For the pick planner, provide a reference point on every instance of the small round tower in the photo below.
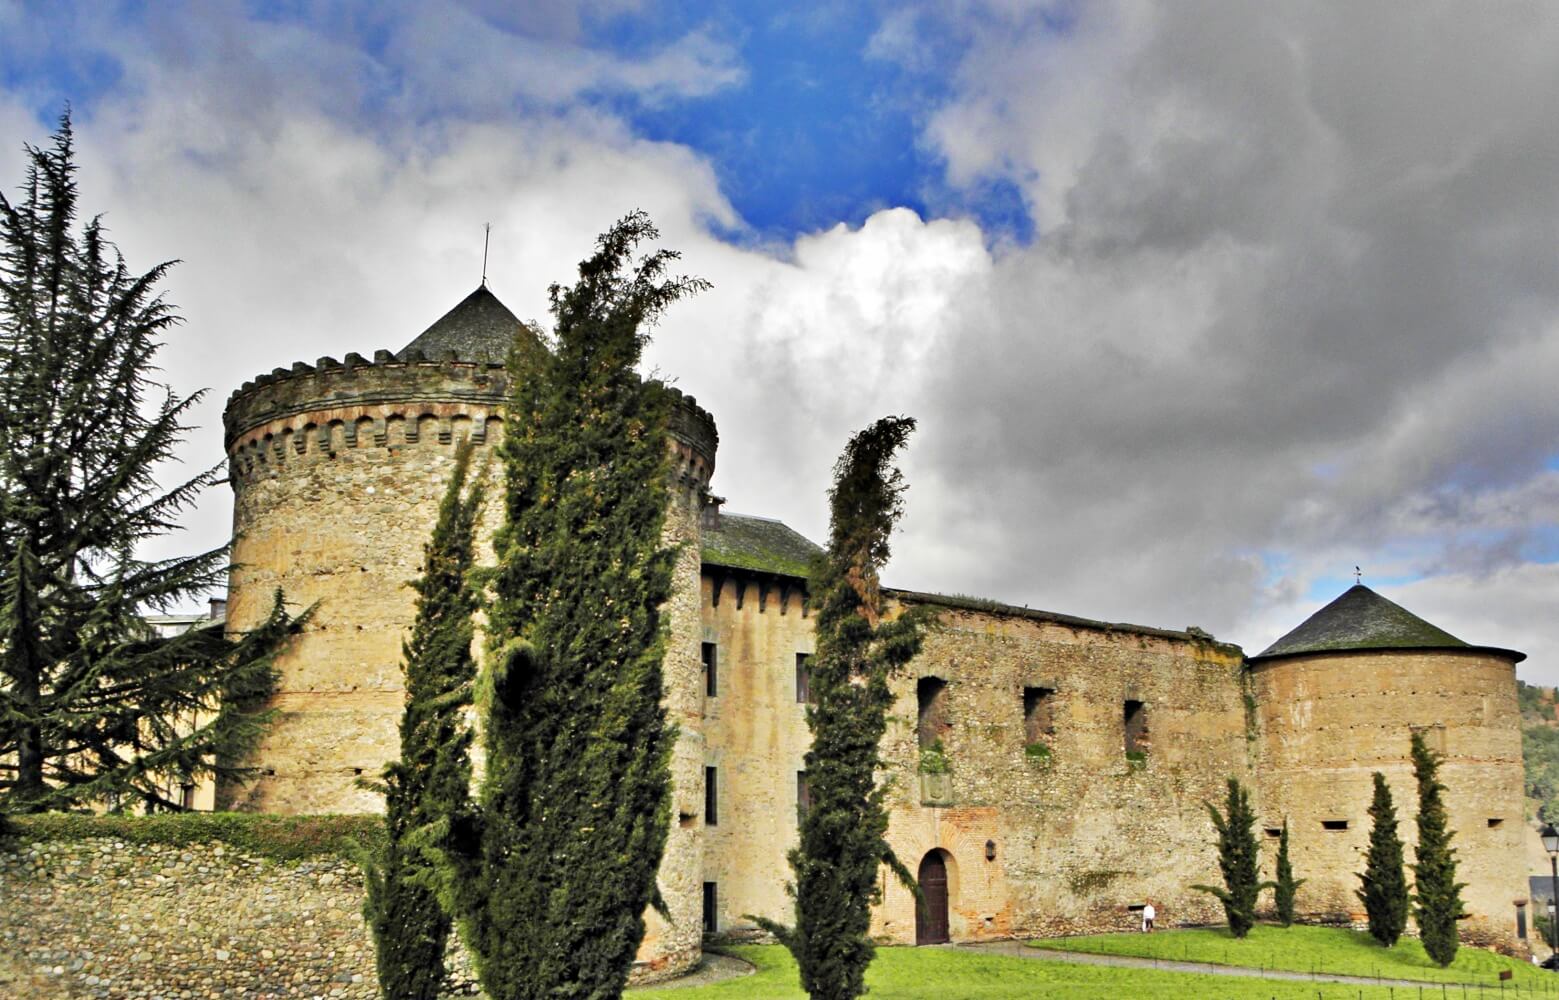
(337, 469)
(1338, 699)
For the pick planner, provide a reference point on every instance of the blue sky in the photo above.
(1199, 305)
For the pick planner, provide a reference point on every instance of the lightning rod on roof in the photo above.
(1358, 576)
(487, 233)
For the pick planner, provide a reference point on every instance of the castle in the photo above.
(1047, 772)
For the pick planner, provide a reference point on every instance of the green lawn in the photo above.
(957, 974)
(1305, 949)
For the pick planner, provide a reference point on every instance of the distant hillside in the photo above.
(1540, 747)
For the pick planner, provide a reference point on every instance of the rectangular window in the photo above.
(711, 669)
(711, 909)
(804, 678)
(187, 796)
(1136, 718)
(803, 795)
(1038, 722)
(1274, 832)
(1495, 822)
(931, 696)
(1334, 824)
(711, 796)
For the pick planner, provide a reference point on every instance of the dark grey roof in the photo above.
(1362, 620)
(479, 329)
(761, 544)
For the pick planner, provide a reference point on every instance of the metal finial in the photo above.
(1358, 577)
(487, 232)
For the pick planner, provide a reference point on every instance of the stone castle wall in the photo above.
(337, 474)
(1330, 720)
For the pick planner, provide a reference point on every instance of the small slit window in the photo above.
(711, 660)
(1038, 714)
(711, 796)
(711, 907)
(1135, 715)
(931, 694)
(1495, 822)
(1274, 832)
(804, 679)
(1334, 825)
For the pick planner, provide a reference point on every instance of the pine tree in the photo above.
(551, 874)
(1436, 893)
(431, 780)
(1384, 890)
(96, 707)
(843, 843)
(1238, 859)
(1285, 887)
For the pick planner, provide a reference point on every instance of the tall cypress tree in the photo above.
(553, 870)
(95, 707)
(1384, 883)
(843, 841)
(432, 779)
(1238, 859)
(1285, 886)
(1436, 893)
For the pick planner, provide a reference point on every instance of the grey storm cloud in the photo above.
(1290, 306)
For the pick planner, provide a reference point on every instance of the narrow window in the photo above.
(187, 795)
(932, 695)
(711, 909)
(1521, 922)
(1334, 824)
(1274, 832)
(711, 668)
(803, 795)
(804, 679)
(711, 796)
(1136, 717)
(1038, 721)
(1495, 822)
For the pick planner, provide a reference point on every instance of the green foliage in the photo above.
(551, 872)
(95, 707)
(430, 781)
(1136, 760)
(1384, 889)
(1285, 887)
(1436, 893)
(843, 841)
(1039, 753)
(933, 759)
(1238, 859)
(278, 838)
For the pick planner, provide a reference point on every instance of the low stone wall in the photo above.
(107, 917)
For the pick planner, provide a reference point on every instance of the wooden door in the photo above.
(931, 916)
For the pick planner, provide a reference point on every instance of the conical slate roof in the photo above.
(479, 329)
(1362, 619)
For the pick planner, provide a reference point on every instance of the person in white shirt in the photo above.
(1147, 919)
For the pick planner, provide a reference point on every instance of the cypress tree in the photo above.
(1238, 860)
(95, 707)
(843, 840)
(1285, 886)
(1384, 890)
(553, 869)
(1436, 893)
(432, 778)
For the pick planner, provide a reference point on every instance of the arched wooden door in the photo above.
(931, 916)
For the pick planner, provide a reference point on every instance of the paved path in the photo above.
(1018, 949)
(713, 968)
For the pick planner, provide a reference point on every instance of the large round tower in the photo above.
(337, 469)
(1338, 699)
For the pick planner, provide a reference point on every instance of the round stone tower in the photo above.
(337, 469)
(1338, 699)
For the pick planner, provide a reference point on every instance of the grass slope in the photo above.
(957, 974)
(1334, 950)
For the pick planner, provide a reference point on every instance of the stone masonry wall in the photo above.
(111, 920)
